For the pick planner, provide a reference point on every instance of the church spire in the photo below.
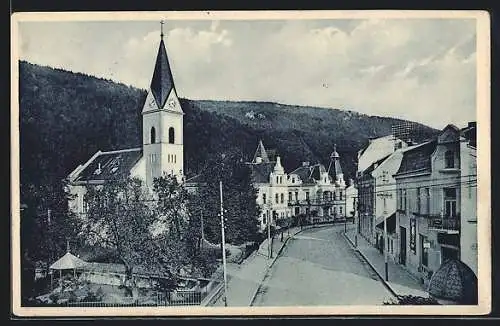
(162, 82)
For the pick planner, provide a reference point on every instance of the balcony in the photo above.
(445, 225)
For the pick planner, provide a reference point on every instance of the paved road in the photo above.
(318, 267)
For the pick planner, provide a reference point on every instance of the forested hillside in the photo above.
(66, 117)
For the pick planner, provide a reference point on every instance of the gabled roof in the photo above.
(377, 149)
(261, 172)
(470, 133)
(109, 165)
(162, 82)
(310, 174)
(417, 159)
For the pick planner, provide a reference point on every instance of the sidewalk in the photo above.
(400, 281)
(244, 279)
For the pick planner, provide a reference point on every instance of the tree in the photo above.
(119, 218)
(172, 225)
(239, 198)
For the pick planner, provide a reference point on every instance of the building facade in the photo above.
(431, 203)
(312, 193)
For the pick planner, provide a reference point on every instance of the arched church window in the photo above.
(153, 135)
(171, 135)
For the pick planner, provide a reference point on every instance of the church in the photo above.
(162, 148)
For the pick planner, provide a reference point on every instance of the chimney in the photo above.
(258, 159)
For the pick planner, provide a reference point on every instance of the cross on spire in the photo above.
(161, 27)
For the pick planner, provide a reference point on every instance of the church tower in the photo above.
(162, 122)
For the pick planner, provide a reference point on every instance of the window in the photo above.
(281, 179)
(276, 197)
(293, 180)
(175, 158)
(418, 199)
(449, 159)
(171, 135)
(334, 210)
(427, 198)
(264, 219)
(307, 195)
(403, 195)
(296, 195)
(334, 195)
(424, 250)
(264, 198)
(450, 202)
(340, 195)
(153, 135)
(282, 198)
(340, 210)
(289, 196)
(277, 180)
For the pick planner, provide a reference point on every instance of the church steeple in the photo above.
(162, 82)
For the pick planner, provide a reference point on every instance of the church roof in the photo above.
(162, 82)
(109, 165)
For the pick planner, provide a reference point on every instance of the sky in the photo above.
(417, 69)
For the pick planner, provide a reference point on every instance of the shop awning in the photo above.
(391, 223)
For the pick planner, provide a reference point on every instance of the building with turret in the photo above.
(311, 192)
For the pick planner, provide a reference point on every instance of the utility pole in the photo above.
(223, 244)
(385, 195)
(202, 229)
(269, 245)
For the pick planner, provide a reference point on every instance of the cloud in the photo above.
(418, 69)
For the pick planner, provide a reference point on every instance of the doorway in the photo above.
(402, 257)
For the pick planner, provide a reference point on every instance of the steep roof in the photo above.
(260, 152)
(417, 159)
(109, 165)
(261, 172)
(162, 82)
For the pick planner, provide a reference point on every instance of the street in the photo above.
(318, 267)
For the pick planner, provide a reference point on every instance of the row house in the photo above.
(436, 202)
(369, 178)
(311, 191)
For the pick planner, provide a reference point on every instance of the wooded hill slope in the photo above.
(66, 117)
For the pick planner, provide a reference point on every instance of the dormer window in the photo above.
(449, 159)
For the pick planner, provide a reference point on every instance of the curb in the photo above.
(388, 287)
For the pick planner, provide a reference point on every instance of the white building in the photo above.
(162, 150)
(311, 191)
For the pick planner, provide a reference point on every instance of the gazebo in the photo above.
(66, 262)
(454, 283)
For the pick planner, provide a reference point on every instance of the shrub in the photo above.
(411, 300)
